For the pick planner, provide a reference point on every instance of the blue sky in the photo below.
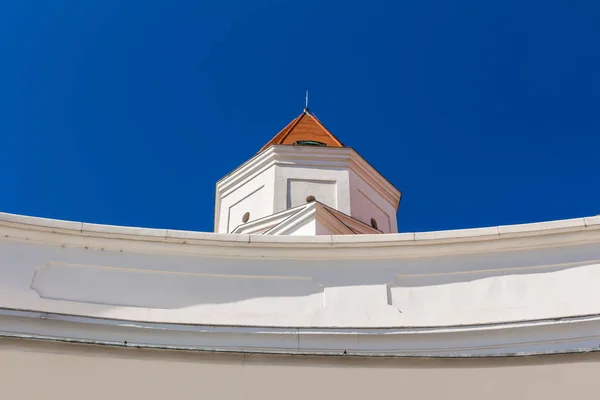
(128, 112)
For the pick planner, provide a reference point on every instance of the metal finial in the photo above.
(306, 103)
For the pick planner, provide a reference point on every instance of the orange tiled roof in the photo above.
(305, 127)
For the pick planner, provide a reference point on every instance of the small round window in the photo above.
(374, 223)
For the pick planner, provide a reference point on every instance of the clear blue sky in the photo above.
(128, 112)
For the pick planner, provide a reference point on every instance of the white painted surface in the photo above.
(322, 190)
(510, 295)
(330, 186)
(253, 196)
(367, 204)
(308, 219)
(262, 225)
(327, 292)
(308, 229)
(282, 177)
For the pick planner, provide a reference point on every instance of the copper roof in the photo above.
(304, 127)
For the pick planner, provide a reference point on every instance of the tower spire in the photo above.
(306, 104)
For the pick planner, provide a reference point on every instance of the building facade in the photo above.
(305, 290)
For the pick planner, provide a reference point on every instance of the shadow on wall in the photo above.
(167, 281)
(159, 289)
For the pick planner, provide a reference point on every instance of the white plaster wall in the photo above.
(160, 281)
(511, 295)
(321, 229)
(330, 185)
(367, 204)
(299, 189)
(309, 229)
(254, 196)
(283, 176)
(514, 289)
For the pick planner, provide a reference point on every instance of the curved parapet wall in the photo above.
(520, 289)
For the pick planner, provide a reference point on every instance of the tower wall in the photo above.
(328, 185)
(286, 176)
(367, 204)
(254, 196)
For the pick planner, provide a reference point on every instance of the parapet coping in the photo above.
(125, 232)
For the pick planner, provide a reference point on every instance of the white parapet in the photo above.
(521, 289)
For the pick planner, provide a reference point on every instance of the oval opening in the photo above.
(309, 143)
(374, 223)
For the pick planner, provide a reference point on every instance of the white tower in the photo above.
(306, 182)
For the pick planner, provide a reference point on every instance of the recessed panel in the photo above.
(171, 290)
(523, 294)
(301, 189)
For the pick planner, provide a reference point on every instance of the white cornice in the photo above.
(462, 241)
(284, 155)
(579, 334)
(375, 180)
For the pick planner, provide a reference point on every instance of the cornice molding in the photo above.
(375, 180)
(567, 335)
(464, 241)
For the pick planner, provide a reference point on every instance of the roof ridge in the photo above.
(339, 220)
(286, 129)
(333, 212)
(318, 121)
(298, 119)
